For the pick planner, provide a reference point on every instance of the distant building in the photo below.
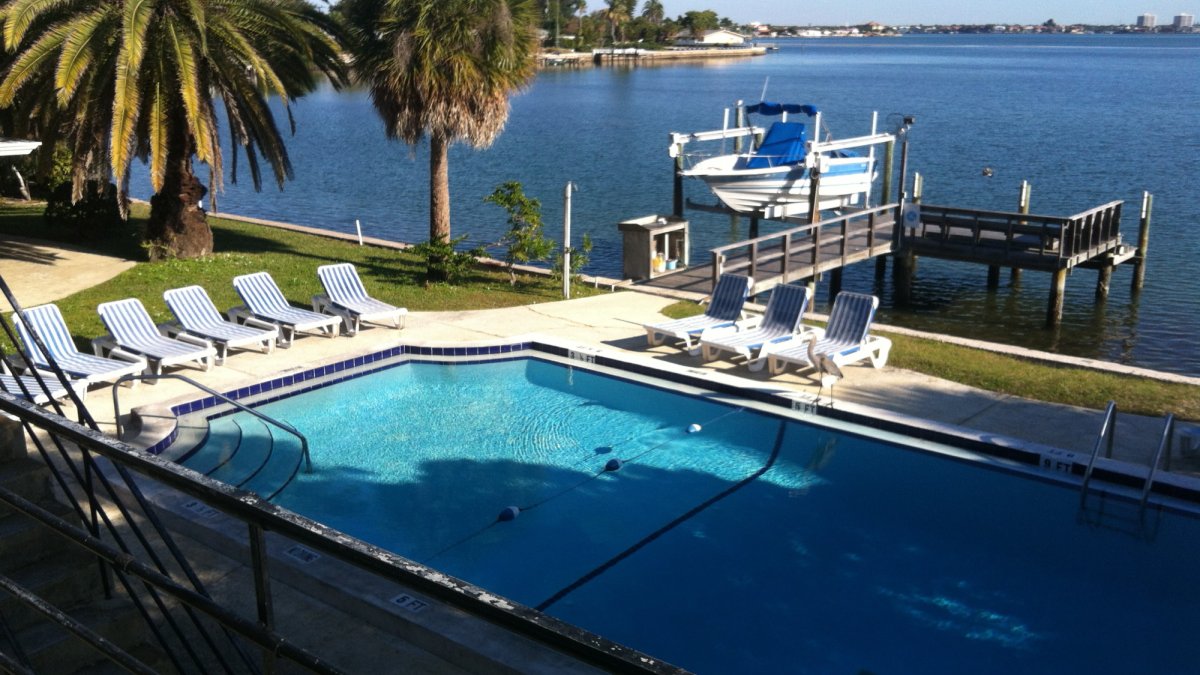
(1146, 21)
(1182, 21)
(714, 38)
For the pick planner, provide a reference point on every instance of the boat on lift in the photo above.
(774, 179)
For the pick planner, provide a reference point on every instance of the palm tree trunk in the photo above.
(178, 227)
(439, 188)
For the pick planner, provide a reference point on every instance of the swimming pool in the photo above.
(757, 543)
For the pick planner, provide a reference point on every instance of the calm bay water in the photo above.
(1085, 119)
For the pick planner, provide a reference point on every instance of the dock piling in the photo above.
(1139, 260)
(1022, 207)
(1058, 288)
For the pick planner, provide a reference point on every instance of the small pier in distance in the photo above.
(1018, 240)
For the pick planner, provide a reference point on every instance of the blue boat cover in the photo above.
(768, 108)
(783, 144)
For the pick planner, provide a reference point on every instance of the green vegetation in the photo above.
(119, 79)
(398, 277)
(1028, 379)
(442, 69)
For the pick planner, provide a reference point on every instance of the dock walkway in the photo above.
(1020, 241)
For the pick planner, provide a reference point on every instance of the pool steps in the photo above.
(247, 454)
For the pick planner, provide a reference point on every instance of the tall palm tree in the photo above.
(618, 13)
(118, 79)
(653, 12)
(443, 69)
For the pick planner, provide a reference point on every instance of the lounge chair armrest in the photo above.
(718, 331)
(15, 363)
(104, 344)
(239, 314)
(118, 353)
(255, 322)
(170, 328)
(749, 322)
(192, 339)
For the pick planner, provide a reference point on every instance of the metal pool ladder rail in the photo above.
(1108, 432)
(1164, 444)
(211, 392)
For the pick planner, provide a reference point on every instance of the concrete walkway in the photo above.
(39, 272)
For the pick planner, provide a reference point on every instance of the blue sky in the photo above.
(837, 12)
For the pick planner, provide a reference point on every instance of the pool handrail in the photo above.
(1164, 443)
(1108, 431)
(211, 392)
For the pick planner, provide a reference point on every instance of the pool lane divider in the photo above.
(512, 512)
(694, 511)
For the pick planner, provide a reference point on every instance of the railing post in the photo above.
(785, 269)
(262, 589)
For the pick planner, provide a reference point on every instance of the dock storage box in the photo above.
(649, 242)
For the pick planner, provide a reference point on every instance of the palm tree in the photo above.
(443, 69)
(653, 12)
(120, 79)
(618, 13)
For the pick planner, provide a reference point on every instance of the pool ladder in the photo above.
(1105, 439)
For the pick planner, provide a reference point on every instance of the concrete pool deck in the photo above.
(612, 322)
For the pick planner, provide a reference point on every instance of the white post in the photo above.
(358, 228)
(566, 263)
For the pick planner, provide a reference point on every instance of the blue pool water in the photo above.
(766, 545)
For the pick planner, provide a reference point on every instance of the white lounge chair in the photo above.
(844, 340)
(28, 388)
(346, 297)
(132, 330)
(780, 321)
(196, 315)
(264, 301)
(724, 311)
(48, 323)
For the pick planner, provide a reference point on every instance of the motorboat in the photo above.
(775, 177)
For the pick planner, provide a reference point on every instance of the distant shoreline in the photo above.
(636, 55)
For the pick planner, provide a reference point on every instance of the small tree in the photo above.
(524, 239)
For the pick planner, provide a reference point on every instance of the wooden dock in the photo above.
(798, 253)
(1020, 241)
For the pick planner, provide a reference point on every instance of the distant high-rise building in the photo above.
(1146, 21)
(1182, 21)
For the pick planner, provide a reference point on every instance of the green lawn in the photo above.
(292, 259)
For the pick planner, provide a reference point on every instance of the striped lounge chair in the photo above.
(724, 311)
(844, 340)
(346, 297)
(265, 302)
(47, 322)
(28, 388)
(196, 315)
(132, 330)
(780, 322)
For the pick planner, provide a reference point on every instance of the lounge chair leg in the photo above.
(654, 339)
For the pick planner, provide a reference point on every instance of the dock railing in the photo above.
(1058, 240)
(801, 252)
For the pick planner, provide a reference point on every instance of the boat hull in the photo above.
(785, 190)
